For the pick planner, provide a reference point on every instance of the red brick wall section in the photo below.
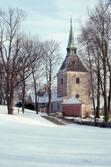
(71, 110)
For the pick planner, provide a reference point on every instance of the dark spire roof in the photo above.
(71, 50)
(72, 61)
(71, 36)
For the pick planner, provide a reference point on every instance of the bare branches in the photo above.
(51, 60)
(22, 57)
(10, 50)
(96, 40)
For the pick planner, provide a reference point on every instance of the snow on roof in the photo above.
(72, 100)
(44, 97)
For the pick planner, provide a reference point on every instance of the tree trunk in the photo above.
(36, 102)
(98, 93)
(10, 108)
(92, 85)
(49, 91)
(105, 95)
(109, 97)
(23, 100)
(49, 104)
(23, 94)
(35, 90)
(10, 103)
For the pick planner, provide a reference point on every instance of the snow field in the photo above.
(28, 140)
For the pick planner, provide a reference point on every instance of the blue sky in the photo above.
(49, 19)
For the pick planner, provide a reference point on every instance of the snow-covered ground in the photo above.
(28, 140)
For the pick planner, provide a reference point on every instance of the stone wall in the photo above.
(81, 88)
(62, 87)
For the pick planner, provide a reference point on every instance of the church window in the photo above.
(77, 80)
(61, 80)
(73, 63)
(77, 96)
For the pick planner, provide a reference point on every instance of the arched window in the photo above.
(77, 80)
(73, 63)
(77, 96)
(61, 80)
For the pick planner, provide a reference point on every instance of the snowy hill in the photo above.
(28, 140)
(30, 118)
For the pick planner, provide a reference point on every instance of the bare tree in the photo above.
(14, 57)
(89, 59)
(26, 51)
(36, 68)
(97, 35)
(51, 62)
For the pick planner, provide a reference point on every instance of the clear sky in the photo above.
(49, 19)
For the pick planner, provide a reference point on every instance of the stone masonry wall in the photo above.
(82, 88)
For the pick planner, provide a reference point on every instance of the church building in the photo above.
(73, 77)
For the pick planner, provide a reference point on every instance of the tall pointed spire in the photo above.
(71, 37)
(71, 50)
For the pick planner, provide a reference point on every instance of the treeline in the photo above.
(96, 49)
(23, 60)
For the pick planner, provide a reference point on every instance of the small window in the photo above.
(77, 80)
(73, 63)
(77, 96)
(61, 80)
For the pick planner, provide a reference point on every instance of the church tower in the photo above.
(73, 78)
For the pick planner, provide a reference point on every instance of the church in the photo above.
(72, 95)
(73, 80)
